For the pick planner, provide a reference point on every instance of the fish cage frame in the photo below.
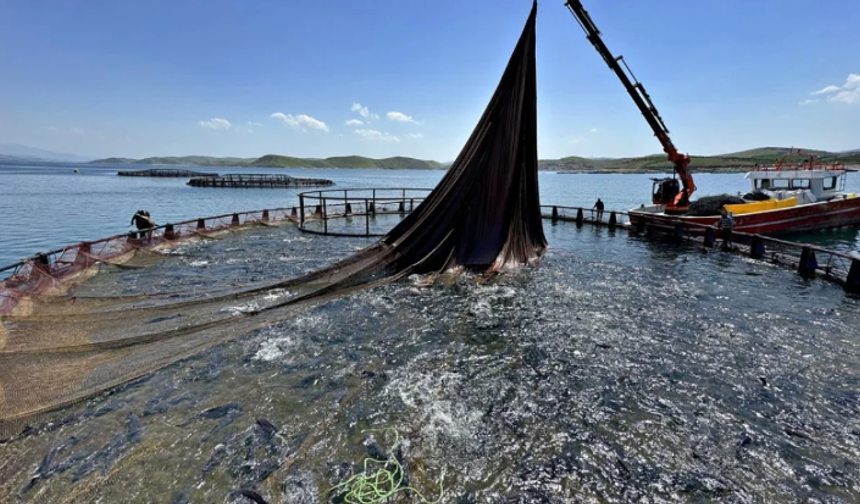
(331, 204)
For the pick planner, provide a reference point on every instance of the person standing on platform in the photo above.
(727, 222)
(142, 221)
(599, 207)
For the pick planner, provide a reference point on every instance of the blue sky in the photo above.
(227, 78)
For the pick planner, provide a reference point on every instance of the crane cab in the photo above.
(665, 190)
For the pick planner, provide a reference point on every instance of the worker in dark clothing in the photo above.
(727, 222)
(599, 207)
(143, 222)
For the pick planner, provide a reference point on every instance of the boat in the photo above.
(787, 197)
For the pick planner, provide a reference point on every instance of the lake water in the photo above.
(615, 370)
(45, 207)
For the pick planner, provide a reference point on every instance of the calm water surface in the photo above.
(44, 207)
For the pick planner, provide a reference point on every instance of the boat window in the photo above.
(800, 183)
(829, 183)
(780, 183)
(762, 183)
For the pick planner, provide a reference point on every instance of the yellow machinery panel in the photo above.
(760, 206)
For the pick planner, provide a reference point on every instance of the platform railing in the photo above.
(583, 215)
(807, 259)
(319, 207)
(55, 269)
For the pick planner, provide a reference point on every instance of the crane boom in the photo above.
(666, 191)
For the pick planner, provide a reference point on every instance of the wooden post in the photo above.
(265, 216)
(366, 219)
(710, 236)
(757, 247)
(302, 214)
(325, 216)
(852, 282)
(554, 213)
(613, 220)
(201, 224)
(678, 232)
(808, 263)
(235, 221)
(579, 217)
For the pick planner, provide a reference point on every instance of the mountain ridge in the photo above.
(654, 163)
(279, 161)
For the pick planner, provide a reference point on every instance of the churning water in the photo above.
(616, 370)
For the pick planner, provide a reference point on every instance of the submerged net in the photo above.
(484, 215)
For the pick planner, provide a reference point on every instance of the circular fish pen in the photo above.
(356, 212)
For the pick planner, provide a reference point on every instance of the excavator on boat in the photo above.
(669, 192)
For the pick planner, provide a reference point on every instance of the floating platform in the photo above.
(165, 172)
(255, 180)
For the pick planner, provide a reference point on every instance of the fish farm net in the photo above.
(484, 215)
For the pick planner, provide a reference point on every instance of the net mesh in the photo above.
(483, 215)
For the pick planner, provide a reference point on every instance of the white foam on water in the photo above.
(442, 418)
(243, 308)
(281, 343)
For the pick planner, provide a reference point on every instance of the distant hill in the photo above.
(178, 161)
(17, 152)
(277, 161)
(657, 163)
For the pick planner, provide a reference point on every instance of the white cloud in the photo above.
(825, 90)
(300, 121)
(847, 93)
(376, 135)
(216, 124)
(594, 130)
(252, 123)
(401, 117)
(415, 135)
(809, 101)
(354, 122)
(364, 111)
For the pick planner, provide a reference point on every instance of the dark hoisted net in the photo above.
(483, 215)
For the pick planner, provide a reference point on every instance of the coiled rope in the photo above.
(372, 487)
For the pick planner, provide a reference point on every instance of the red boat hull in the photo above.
(811, 217)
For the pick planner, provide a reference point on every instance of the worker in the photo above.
(727, 222)
(143, 222)
(599, 207)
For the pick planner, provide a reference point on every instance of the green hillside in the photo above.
(656, 163)
(277, 161)
(732, 162)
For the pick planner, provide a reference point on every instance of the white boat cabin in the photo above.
(809, 186)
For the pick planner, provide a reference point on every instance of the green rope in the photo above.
(369, 487)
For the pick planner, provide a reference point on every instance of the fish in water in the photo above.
(50, 466)
(164, 401)
(267, 427)
(249, 494)
(227, 413)
(107, 456)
